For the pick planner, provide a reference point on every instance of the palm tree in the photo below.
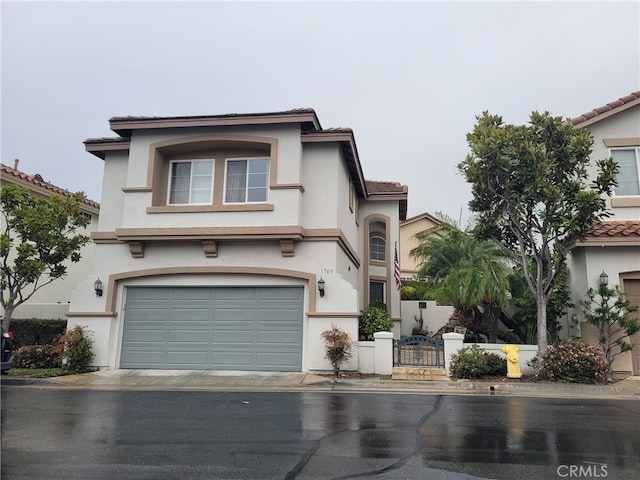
(466, 272)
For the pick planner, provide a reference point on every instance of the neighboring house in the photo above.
(613, 246)
(52, 301)
(231, 242)
(409, 228)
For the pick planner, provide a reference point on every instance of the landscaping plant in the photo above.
(37, 356)
(337, 347)
(474, 362)
(608, 310)
(76, 349)
(572, 361)
(374, 319)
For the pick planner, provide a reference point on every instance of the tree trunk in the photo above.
(541, 304)
(6, 321)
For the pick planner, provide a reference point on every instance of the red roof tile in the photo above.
(38, 181)
(628, 228)
(619, 104)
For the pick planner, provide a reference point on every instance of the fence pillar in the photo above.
(452, 343)
(383, 361)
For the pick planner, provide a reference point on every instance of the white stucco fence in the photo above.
(453, 342)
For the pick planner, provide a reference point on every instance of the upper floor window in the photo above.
(629, 177)
(191, 182)
(247, 180)
(377, 249)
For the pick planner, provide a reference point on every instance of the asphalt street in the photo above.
(54, 433)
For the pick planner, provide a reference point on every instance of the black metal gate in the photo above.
(418, 350)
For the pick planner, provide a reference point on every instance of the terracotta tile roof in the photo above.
(610, 108)
(305, 116)
(38, 181)
(385, 187)
(627, 228)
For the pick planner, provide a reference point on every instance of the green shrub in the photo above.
(572, 361)
(76, 349)
(36, 331)
(37, 356)
(374, 319)
(474, 362)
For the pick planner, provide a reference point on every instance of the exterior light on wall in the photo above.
(321, 287)
(97, 286)
(604, 279)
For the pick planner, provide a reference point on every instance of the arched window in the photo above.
(377, 249)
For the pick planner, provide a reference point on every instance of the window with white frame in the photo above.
(247, 180)
(629, 176)
(377, 249)
(190, 182)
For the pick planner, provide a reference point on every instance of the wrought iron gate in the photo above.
(418, 350)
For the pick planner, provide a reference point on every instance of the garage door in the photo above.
(234, 328)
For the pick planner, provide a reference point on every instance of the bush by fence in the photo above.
(36, 331)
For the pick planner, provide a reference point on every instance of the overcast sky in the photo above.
(408, 77)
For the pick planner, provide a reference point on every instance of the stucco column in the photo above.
(452, 343)
(383, 361)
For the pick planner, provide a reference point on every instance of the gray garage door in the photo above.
(221, 328)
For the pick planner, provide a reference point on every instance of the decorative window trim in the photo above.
(616, 195)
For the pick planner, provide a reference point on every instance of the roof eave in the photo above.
(124, 126)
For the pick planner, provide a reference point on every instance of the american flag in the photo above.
(396, 269)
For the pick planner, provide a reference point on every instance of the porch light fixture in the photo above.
(321, 287)
(604, 279)
(97, 286)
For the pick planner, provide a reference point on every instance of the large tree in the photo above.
(38, 237)
(531, 193)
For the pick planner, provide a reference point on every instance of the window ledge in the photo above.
(245, 207)
(621, 202)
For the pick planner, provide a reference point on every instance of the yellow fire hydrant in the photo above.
(513, 361)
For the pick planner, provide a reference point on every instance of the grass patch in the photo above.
(36, 372)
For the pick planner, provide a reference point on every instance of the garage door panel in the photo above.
(279, 294)
(190, 314)
(239, 328)
(234, 294)
(276, 360)
(147, 336)
(199, 359)
(145, 357)
(234, 315)
(279, 315)
(191, 336)
(232, 359)
(283, 338)
(239, 337)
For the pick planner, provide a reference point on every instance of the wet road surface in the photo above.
(95, 435)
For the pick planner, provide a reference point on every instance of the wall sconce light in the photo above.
(604, 279)
(321, 287)
(97, 286)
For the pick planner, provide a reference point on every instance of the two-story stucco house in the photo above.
(52, 300)
(613, 247)
(424, 224)
(231, 242)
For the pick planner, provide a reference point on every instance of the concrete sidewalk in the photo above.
(206, 380)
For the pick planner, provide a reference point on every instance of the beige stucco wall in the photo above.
(409, 265)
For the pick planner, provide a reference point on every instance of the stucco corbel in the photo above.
(210, 248)
(136, 249)
(287, 248)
